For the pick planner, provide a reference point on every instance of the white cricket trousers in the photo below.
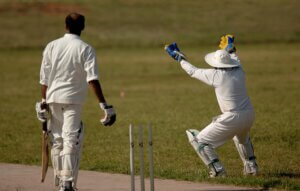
(227, 126)
(66, 132)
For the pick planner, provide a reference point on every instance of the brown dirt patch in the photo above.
(15, 177)
(41, 7)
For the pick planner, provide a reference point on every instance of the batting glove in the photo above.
(42, 110)
(227, 43)
(174, 52)
(110, 114)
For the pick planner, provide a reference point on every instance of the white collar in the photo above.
(70, 35)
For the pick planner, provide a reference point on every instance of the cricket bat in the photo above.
(45, 151)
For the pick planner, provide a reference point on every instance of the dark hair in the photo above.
(75, 23)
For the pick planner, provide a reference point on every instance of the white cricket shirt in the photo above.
(229, 85)
(68, 64)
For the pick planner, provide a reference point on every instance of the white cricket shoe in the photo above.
(216, 170)
(213, 174)
(251, 168)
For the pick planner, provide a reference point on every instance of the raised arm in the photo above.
(205, 75)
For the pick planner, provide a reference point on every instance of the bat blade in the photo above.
(45, 152)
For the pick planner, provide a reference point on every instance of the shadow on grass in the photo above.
(285, 175)
(277, 183)
(271, 183)
(281, 179)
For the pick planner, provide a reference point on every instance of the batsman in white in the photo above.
(68, 66)
(227, 77)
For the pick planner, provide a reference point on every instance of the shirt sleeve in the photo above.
(205, 75)
(90, 64)
(45, 67)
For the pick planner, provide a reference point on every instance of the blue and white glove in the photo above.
(110, 114)
(42, 110)
(174, 52)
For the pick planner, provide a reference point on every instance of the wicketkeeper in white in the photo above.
(68, 66)
(228, 79)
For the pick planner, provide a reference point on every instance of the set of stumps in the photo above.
(141, 157)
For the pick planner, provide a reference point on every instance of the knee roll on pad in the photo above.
(69, 150)
(192, 137)
(55, 151)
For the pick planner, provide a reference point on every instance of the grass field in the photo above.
(146, 86)
(135, 23)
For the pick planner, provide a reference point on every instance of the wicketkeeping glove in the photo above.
(110, 114)
(42, 110)
(227, 43)
(174, 52)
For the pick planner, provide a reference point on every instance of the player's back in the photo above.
(231, 90)
(67, 59)
(67, 76)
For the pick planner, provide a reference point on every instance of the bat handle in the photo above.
(45, 129)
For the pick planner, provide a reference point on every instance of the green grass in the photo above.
(158, 91)
(135, 23)
(129, 36)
